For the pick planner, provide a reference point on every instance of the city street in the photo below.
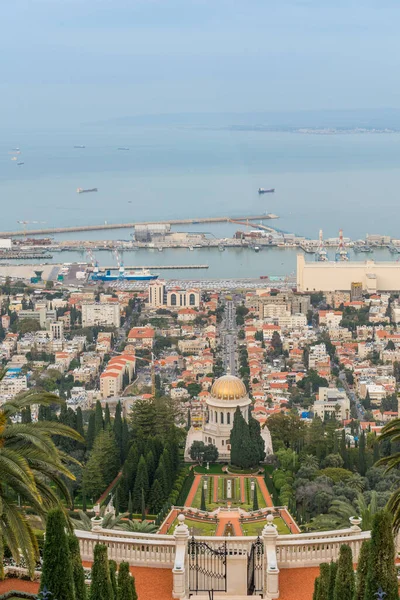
(228, 337)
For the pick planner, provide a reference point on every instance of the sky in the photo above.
(66, 62)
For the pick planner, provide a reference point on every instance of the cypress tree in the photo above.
(243, 451)
(323, 586)
(98, 419)
(156, 498)
(129, 474)
(256, 439)
(90, 431)
(125, 439)
(126, 583)
(316, 588)
(102, 466)
(100, 588)
(26, 415)
(162, 477)
(362, 463)
(168, 468)
(77, 568)
(255, 498)
(203, 499)
(376, 451)
(362, 570)
(381, 566)
(57, 572)
(107, 417)
(84, 505)
(151, 467)
(141, 483)
(343, 450)
(130, 506)
(332, 578)
(344, 584)
(113, 577)
(143, 506)
(118, 433)
(79, 422)
(236, 432)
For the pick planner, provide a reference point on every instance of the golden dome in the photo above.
(228, 387)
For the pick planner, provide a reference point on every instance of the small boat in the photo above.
(82, 191)
(122, 148)
(79, 146)
(14, 158)
(264, 191)
(20, 163)
(256, 248)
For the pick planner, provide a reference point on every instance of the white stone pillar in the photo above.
(271, 578)
(179, 572)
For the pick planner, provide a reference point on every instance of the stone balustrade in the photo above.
(149, 551)
(314, 550)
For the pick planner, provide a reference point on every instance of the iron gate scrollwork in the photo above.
(207, 567)
(255, 568)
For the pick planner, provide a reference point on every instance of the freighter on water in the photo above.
(264, 191)
(82, 191)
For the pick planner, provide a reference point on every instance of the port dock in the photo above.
(149, 267)
(110, 226)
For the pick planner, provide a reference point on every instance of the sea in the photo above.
(343, 180)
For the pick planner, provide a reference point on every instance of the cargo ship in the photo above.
(82, 191)
(264, 191)
(122, 275)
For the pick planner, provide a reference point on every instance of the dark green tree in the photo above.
(156, 498)
(113, 577)
(255, 498)
(129, 474)
(344, 583)
(57, 571)
(362, 570)
(151, 467)
(102, 466)
(141, 483)
(243, 451)
(126, 583)
(101, 588)
(143, 506)
(332, 578)
(130, 505)
(203, 500)
(90, 431)
(381, 566)
(107, 417)
(125, 439)
(256, 439)
(323, 585)
(162, 477)
(98, 419)
(118, 430)
(79, 422)
(362, 459)
(77, 568)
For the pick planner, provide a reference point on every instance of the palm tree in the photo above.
(32, 471)
(342, 510)
(391, 432)
(110, 521)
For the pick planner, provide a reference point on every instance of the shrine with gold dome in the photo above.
(227, 393)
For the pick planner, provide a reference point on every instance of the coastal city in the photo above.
(314, 375)
(199, 300)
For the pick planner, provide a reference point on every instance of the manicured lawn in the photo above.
(215, 469)
(196, 527)
(197, 498)
(256, 527)
(236, 493)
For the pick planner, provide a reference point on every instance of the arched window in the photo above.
(228, 418)
(222, 442)
(192, 299)
(222, 418)
(173, 299)
(216, 416)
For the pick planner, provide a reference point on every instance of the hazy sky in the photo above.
(70, 61)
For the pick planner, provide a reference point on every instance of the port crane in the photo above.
(341, 253)
(25, 223)
(321, 254)
(93, 261)
(121, 268)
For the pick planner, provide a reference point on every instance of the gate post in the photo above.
(271, 577)
(180, 576)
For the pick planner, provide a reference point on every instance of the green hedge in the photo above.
(15, 594)
(183, 483)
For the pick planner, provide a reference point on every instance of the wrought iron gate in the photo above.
(207, 567)
(255, 568)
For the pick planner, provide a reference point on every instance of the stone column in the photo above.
(179, 572)
(271, 577)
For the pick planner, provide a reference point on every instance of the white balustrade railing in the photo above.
(311, 551)
(147, 552)
(235, 545)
